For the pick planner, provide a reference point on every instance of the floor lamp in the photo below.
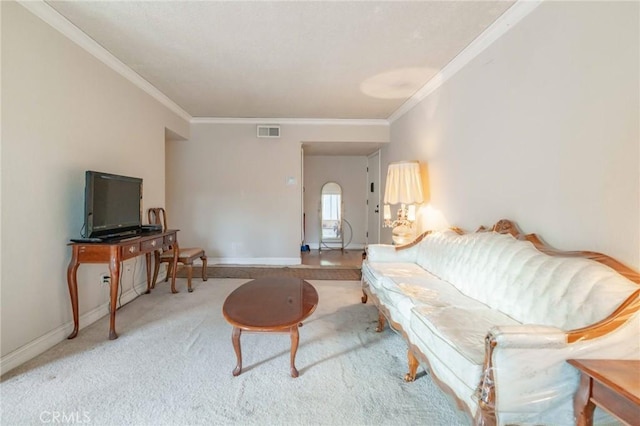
(404, 187)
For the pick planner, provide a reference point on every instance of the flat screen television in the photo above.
(112, 205)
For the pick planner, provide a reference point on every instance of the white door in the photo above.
(373, 198)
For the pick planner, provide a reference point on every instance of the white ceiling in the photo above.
(295, 59)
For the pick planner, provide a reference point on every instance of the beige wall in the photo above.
(542, 127)
(227, 190)
(350, 172)
(63, 112)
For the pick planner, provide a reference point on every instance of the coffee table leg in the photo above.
(235, 338)
(295, 338)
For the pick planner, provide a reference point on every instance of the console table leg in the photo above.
(295, 338)
(114, 269)
(148, 261)
(235, 338)
(72, 282)
(156, 268)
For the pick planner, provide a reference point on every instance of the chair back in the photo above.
(157, 216)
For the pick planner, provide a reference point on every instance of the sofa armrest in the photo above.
(389, 253)
(528, 336)
(526, 377)
(524, 374)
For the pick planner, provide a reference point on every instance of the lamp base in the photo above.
(402, 234)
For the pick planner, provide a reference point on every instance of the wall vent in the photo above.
(268, 131)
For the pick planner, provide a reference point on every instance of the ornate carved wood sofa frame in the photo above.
(523, 377)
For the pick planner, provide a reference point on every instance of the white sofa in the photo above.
(495, 315)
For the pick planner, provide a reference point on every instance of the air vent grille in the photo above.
(268, 131)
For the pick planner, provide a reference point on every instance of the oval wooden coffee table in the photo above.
(274, 304)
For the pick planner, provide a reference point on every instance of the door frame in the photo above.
(377, 202)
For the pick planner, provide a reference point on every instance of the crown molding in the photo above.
(293, 121)
(49, 15)
(504, 23)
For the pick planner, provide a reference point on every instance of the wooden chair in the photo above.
(186, 256)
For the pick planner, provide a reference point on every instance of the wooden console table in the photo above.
(613, 385)
(114, 253)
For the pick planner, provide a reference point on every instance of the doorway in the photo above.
(349, 174)
(346, 165)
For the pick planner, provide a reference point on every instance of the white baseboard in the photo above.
(270, 261)
(59, 334)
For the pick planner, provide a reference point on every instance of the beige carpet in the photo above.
(172, 365)
(252, 272)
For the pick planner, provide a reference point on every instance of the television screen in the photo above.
(112, 205)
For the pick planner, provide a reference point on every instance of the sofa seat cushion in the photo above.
(398, 296)
(455, 335)
(462, 328)
(396, 269)
(462, 321)
(404, 293)
(374, 272)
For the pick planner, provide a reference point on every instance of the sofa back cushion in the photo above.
(531, 287)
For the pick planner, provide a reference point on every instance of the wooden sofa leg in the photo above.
(381, 322)
(413, 367)
(364, 297)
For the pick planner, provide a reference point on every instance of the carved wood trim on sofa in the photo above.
(485, 392)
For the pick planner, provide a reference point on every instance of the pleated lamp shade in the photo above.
(404, 185)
